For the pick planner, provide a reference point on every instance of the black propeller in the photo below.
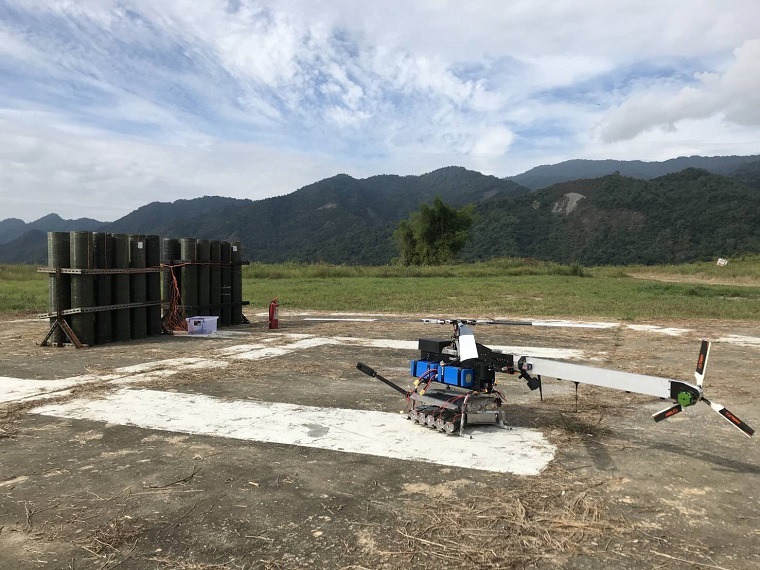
(699, 375)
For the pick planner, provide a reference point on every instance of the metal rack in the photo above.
(108, 287)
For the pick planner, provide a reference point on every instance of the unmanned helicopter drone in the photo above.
(455, 379)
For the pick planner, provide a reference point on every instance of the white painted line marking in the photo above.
(379, 342)
(739, 340)
(12, 389)
(576, 324)
(285, 314)
(144, 377)
(171, 363)
(669, 331)
(257, 352)
(553, 353)
(238, 349)
(520, 451)
(352, 320)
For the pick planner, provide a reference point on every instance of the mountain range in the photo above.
(546, 175)
(591, 212)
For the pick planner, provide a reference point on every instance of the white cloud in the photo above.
(13, 47)
(545, 72)
(468, 31)
(495, 140)
(706, 137)
(85, 172)
(112, 103)
(734, 94)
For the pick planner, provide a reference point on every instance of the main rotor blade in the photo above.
(466, 321)
(704, 352)
(731, 418)
(476, 322)
(667, 413)
(507, 323)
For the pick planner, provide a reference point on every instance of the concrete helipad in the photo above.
(268, 449)
(521, 451)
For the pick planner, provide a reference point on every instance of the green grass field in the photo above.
(503, 287)
(23, 290)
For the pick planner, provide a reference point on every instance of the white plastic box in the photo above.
(201, 325)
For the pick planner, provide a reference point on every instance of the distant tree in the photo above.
(433, 235)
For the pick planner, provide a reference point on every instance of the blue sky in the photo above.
(106, 105)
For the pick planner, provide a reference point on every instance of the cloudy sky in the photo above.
(106, 105)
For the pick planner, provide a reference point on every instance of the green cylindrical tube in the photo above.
(153, 259)
(203, 255)
(60, 286)
(103, 253)
(170, 278)
(226, 250)
(82, 287)
(121, 321)
(138, 287)
(189, 272)
(215, 279)
(237, 283)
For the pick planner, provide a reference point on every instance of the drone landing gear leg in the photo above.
(540, 389)
(463, 419)
(576, 396)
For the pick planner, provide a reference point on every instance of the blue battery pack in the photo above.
(455, 376)
(466, 377)
(418, 367)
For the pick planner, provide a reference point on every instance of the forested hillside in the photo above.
(614, 219)
(548, 174)
(680, 217)
(13, 228)
(339, 219)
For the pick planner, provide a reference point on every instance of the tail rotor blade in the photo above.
(667, 413)
(704, 352)
(731, 418)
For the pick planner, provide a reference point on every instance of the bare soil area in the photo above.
(697, 280)
(621, 492)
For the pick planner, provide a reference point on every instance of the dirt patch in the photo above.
(697, 280)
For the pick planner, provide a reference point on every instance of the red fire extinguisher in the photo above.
(274, 314)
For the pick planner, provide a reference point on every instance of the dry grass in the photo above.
(175, 564)
(107, 540)
(105, 532)
(544, 519)
(9, 420)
